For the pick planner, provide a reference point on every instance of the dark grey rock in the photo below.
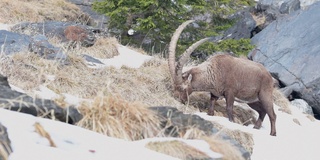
(176, 122)
(12, 43)
(16, 101)
(91, 59)
(289, 6)
(243, 27)
(289, 48)
(40, 45)
(96, 19)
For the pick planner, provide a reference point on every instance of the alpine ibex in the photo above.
(223, 76)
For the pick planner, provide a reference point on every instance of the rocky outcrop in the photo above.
(66, 32)
(289, 49)
(175, 122)
(13, 100)
(11, 43)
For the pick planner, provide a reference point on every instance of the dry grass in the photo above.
(103, 48)
(242, 112)
(228, 151)
(43, 133)
(281, 101)
(39, 10)
(177, 149)
(116, 117)
(244, 139)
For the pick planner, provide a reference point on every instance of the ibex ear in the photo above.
(189, 78)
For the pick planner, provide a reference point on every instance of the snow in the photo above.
(293, 141)
(127, 57)
(72, 142)
(5, 26)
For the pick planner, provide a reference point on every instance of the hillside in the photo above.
(115, 93)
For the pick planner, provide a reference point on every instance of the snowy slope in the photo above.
(72, 142)
(293, 141)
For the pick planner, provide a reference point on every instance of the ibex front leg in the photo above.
(213, 100)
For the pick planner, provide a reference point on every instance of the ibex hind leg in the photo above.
(266, 100)
(257, 106)
(213, 100)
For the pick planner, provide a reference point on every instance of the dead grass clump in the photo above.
(116, 117)
(192, 133)
(177, 149)
(281, 101)
(26, 70)
(245, 139)
(15, 11)
(150, 84)
(103, 48)
(312, 119)
(228, 151)
(242, 112)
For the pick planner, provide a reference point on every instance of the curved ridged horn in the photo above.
(172, 49)
(184, 58)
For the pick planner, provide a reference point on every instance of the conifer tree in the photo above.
(155, 20)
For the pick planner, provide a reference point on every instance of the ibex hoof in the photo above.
(211, 113)
(273, 134)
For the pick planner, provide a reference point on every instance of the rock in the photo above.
(91, 59)
(14, 43)
(5, 143)
(40, 45)
(96, 19)
(16, 101)
(11, 42)
(289, 6)
(302, 105)
(66, 32)
(289, 49)
(176, 122)
(243, 27)
(306, 3)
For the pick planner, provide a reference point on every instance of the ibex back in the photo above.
(224, 76)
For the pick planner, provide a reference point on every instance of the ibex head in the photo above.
(181, 81)
(182, 91)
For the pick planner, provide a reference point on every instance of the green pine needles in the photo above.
(154, 21)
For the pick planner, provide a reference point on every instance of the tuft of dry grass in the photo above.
(281, 101)
(102, 48)
(39, 10)
(116, 117)
(177, 149)
(43, 133)
(245, 139)
(228, 151)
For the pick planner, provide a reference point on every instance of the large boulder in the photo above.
(176, 122)
(14, 43)
(289, 48)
